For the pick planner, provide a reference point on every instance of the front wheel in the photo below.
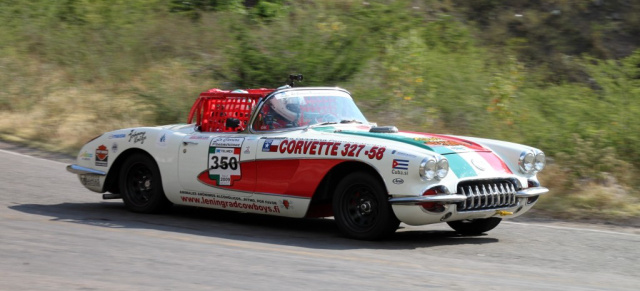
(474, 226)
(141, 185)
(361, 208)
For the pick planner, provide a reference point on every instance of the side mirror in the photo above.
(232, 122)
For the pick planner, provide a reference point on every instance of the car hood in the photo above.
(466, 158)
(441, 144)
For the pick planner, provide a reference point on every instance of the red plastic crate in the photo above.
(212, 108)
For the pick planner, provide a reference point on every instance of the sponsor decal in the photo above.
(400, 167)
(224, 162)
(228, 201)
(114, 147)
(137, 136)
(90, 180)
(435, 141)
(247, 151)
(402, 154)
(85, 156)
(232, 142)
(161, 142)
(398, 181)
(199, 137)
(102, 156)
(326, 148)
(117, 135)
(287, 204)
(459, 148)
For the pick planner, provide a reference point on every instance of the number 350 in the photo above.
(224, 163)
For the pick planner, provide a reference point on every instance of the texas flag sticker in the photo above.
(271, 145)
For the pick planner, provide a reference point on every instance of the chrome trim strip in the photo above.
(83, 171)
(445, 199)
(531, 192)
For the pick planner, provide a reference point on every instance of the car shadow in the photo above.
(309, 233)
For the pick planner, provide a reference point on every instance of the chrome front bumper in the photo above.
(457, 198)
(84, 171)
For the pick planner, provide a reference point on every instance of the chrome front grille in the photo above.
(487, 194)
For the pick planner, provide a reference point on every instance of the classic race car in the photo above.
(309, 152)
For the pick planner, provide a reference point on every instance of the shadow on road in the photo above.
(309, 233)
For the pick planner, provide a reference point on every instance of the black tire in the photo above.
(475, 226)
(141, 185)
(361, 208)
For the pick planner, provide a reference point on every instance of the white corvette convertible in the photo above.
(309, 152)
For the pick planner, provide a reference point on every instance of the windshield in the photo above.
(302, 108)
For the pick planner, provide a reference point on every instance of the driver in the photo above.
(288, 108)
(280, 113)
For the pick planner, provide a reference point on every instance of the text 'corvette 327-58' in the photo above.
(310, 152)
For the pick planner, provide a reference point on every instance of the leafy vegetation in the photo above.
(563, 76)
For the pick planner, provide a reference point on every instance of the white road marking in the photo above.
(28, 156)
(572, 228)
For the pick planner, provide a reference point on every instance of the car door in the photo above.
(219, 163)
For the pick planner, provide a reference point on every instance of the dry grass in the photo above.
(62, 117)
(602, 200)
(66, 118)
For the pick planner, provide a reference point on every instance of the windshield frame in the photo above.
(273, 94)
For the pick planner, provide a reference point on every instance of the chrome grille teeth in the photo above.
(513, 195)
(507, 196)
(464, 203)
(487, 195)
(479, 197)
(494, 192)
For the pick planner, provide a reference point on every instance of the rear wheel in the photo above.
(361, 208)
(475, 226)
(141, 185)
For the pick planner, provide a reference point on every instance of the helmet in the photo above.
(287, 107)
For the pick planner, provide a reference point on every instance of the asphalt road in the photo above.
(56, 235)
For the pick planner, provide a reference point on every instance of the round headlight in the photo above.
(539, 162)
(526, 162)
(442, 168)
(428, 169)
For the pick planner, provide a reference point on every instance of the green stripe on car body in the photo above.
(457, 164)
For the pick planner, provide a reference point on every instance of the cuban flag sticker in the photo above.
(399, 164)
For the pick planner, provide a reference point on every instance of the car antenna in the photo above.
(293, 78)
